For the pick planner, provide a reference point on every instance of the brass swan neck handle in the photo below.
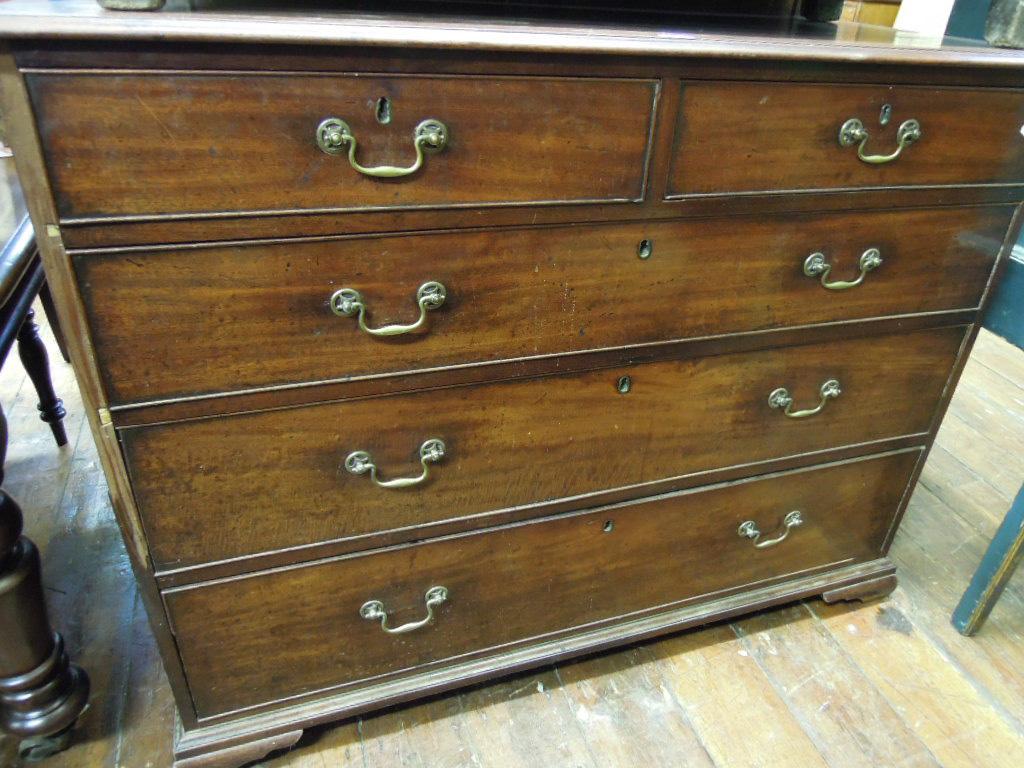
(749, 530)
(374, 610)
(853, 132)
(431, 452)
(334, 136)
(346, 302)
(816, 265)
(780, 398)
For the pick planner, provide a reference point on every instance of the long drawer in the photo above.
(275, 479)
(185, 322)
(525, 581)
(776, 137)
(154, 144)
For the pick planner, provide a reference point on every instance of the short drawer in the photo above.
(263, 312)
(228, 487)
(268, 636)
(761, 137)
(155, 144)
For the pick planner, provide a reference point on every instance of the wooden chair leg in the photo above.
(51, 317)
(1000, 560)
(33, 356)
(41, 693)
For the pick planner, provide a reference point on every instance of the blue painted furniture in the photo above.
(1005, 316)
(1005, 313)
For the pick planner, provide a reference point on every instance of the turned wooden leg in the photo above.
(50, 310)
(41, 692)
(33, 356)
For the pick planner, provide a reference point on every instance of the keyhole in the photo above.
(885, 115)
(609, 526)
(383, 110)
(624, 384)
(644, 249)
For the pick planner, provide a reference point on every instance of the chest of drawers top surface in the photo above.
(422, 349)
(467, 26)
(181, 127)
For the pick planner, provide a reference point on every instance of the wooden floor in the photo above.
(887, 684)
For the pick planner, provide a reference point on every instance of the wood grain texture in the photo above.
(106, 235)
(243, 754)
(85, 54)
(727, 698)
(20, 131)
(439, 722)
(218, 569)
(939, 567)
(777, 39)
(226, 225)
(247, 142)
(276, 479)
(850, 722)
(785, 137)
(306, 711)
(610, 699)
(903, 667)
(523, 730)
(539, 580)
(624, 706)
(269, 398)
(514, 443)
(261, 310)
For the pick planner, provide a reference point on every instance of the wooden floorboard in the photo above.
(886, 684)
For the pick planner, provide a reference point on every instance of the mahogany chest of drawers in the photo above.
(423, 351)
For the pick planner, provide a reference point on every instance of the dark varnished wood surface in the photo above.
(177, 577)
(930, 535)
(902, 374)
(227, 192)
(539, 578)
(103, 236)
(623, 35)
(261, 311)
(85, 54)
(754, 137)
(247, 401)
(42, 694)
(225, 224)
(181, 143)
(276, 479)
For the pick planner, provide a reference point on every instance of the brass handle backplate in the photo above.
(360, 462)
(373, 610)
(346, 302)
(749, 530)
(853, 132)
(334, 136)
(815, 265)
(780, 398)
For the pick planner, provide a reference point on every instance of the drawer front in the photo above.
(152, 144)
(268, 636)
(758, 137)
(258, 482)
(263, 311)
